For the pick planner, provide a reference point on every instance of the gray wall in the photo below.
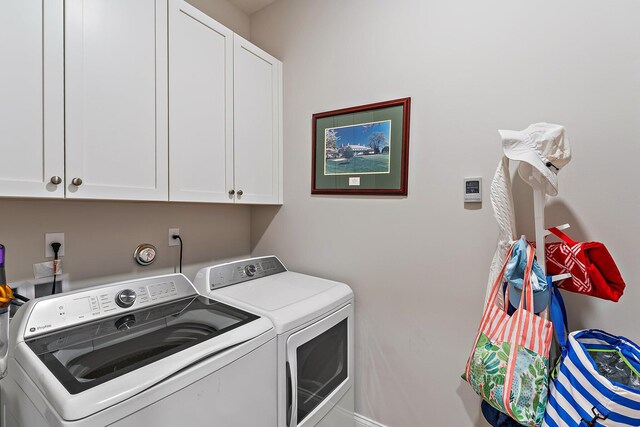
(227, 14)
(100, 236)
(419, 265)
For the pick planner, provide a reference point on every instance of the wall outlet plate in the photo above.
(173, 232)
(50, 238)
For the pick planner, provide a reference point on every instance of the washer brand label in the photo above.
(40, 328)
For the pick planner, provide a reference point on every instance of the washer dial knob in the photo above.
(126, 298)
(250, 270)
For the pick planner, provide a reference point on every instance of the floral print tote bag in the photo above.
(508, 366)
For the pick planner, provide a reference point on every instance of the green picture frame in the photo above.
(362, 150)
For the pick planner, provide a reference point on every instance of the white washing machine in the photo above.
(314, 321)
(148, 352)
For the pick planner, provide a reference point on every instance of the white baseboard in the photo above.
(362, 421)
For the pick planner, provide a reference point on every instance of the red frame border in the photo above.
(404, 174)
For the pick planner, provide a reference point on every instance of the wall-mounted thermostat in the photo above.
(473, 190)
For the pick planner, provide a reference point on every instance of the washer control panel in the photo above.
(65, 310)
(236, 272)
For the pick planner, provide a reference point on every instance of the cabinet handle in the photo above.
(232, 192)
(77, 182)
(56, 180)
(240, 193)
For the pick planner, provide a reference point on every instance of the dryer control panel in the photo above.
(74, 308)
(232, 273)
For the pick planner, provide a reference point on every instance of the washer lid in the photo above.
(289, 299)
(86, 356)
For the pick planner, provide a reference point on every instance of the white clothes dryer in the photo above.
(314, 320)
(147, 352)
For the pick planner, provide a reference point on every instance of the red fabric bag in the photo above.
(593, 271)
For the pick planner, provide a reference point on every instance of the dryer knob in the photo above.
(126, 298)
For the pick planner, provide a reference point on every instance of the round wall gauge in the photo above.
(145, 254)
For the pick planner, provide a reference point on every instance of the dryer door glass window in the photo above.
(322, 367)
(85, 356)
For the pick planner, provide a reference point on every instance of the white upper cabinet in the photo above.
(135, 100)
(257, 125)
(200, 106)
(31, 99)
(116, 99)
(225, 140)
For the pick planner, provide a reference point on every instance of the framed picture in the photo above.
(362, 150)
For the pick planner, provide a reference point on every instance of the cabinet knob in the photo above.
(240, 192)
(232, 192)
(56, 180)
(77, 182)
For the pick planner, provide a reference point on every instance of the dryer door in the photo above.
(319, 367)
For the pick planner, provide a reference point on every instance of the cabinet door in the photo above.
(200, 106)
(31, 98)
(257, 119)
(116, 99)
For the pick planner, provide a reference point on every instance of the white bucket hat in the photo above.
(543, 146)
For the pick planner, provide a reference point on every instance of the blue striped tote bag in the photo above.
(597, 382)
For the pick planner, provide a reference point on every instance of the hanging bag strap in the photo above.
(559, 316)
(562, 236)
(560, 324)
(497, 286)
(517, 336)
(486, 316)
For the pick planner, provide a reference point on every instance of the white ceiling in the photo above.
(251, 6)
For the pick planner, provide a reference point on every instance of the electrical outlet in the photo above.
(173, 232)
(50, 238)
